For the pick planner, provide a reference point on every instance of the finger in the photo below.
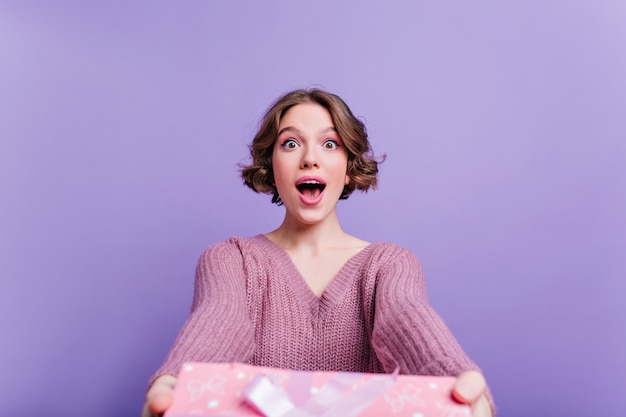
(161, 402)
(481, 408)
(145, 412)
(469, 387)
(160, 398)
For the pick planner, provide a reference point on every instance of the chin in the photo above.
(311, 218)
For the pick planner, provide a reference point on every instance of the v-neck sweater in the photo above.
(252, 305)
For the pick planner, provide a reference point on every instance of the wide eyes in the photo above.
(290, 144)
(329, 144)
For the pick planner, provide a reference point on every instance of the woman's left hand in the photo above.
(470, 389)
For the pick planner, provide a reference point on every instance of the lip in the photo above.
(310, 178)
(305, 200)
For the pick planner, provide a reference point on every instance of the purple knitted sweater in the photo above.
(252, 305)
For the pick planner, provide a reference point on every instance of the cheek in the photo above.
(280, 168)
(342, 166)
(275, 170)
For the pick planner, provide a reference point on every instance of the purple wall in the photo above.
(121, 127)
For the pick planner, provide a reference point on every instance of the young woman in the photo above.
(307, 295)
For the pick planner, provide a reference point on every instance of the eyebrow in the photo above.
(295, 130)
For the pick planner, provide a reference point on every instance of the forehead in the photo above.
(303, 115)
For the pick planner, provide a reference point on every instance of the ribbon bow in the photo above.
(341, 396)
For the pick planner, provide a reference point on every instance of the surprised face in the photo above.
(309, 163)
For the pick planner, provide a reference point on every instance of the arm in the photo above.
(218, 328)
(409, 333)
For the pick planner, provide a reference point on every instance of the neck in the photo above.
(295, 235)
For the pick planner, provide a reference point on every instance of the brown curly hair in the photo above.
(362, 165)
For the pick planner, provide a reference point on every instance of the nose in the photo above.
(309, 159)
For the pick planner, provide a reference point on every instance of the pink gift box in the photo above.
(235, 389)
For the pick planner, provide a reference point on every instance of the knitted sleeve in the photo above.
(219, 328)
(407, 331)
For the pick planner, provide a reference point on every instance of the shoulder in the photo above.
(398, 273)
(234, 248)
(385, 254)
(391, 263)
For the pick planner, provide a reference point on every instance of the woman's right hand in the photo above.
(159, 397)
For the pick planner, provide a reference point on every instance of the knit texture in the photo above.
(252, 305)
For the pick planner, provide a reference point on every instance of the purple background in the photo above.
(122, 124)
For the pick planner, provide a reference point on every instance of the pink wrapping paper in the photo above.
(207, 389)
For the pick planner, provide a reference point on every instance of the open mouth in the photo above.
(310, 189)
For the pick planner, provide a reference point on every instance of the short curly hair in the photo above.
(362, 165)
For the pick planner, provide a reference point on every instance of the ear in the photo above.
(347, 181)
